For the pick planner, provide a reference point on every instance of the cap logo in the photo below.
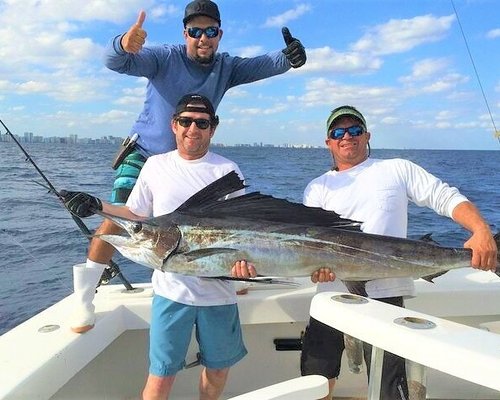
(200, 7)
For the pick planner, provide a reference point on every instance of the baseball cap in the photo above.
(344, 111)
(196, 103)
(201, 7)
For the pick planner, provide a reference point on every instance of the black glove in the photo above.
(81, 204)
(294, 51)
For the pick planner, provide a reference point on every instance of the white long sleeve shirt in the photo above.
(376, 193)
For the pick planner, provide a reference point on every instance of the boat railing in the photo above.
(465, 352)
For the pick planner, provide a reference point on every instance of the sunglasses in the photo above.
(211, 32)
(338, 133)
(186, 122)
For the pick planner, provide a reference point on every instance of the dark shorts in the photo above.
(322, 348)
(126, 177)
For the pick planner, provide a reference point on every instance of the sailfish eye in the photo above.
(137, 227)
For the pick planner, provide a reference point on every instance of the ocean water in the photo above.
(40, 242)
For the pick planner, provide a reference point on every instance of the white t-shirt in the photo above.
(376, 193)
(165, 182)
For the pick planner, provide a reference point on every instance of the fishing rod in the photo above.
(497, 132)
(112, 269)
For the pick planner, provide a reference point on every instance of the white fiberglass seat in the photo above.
(302, 388)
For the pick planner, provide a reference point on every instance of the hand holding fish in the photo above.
(243, 269)
(484, 250)
(81, 204)
(323, 275)
(133, 40)
(483, 244)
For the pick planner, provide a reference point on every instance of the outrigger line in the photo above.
(112, 269)
(497, 132)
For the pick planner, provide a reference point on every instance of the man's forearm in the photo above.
(467, 215)
(119, 211)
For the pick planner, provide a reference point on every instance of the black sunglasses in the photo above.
(338, 133)
(195, 32)
(186, 122)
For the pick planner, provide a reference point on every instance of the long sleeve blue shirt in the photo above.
(172, 74)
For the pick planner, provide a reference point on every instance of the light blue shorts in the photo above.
(218, 333)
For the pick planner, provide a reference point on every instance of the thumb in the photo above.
(287, 36)
(140, 19)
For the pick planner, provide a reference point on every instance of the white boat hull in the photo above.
(110, 361)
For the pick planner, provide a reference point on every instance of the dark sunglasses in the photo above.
(195, 32)
(338, 133)
(186, 122)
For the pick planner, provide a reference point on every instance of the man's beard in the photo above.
(204, 60)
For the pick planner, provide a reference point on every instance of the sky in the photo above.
(403, 63)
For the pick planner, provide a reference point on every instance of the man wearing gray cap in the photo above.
(376, 193)
(172, 71)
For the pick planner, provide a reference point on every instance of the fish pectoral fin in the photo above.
(267, 280)
(207, 252)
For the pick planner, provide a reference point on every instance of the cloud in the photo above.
(321, 91)
(286, 17)
(443, 125)
(465, 125)
(446, 83)
(42, 45)
(249, 51)
(327, 59)
(32, 87)
(401, 35)
(445, 115)
(431, 75)
(276, 109)
(46, 51)
(129, 101)
(161, 11)
(112, 116)
(425, 69)
(236, 92)
(390, 120)
(50, 11)
(493, 34)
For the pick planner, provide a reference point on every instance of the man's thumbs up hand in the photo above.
(294, 51)
(133, 40)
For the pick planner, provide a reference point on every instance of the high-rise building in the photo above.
(28, 137)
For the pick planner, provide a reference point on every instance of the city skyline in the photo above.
(29, 137)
